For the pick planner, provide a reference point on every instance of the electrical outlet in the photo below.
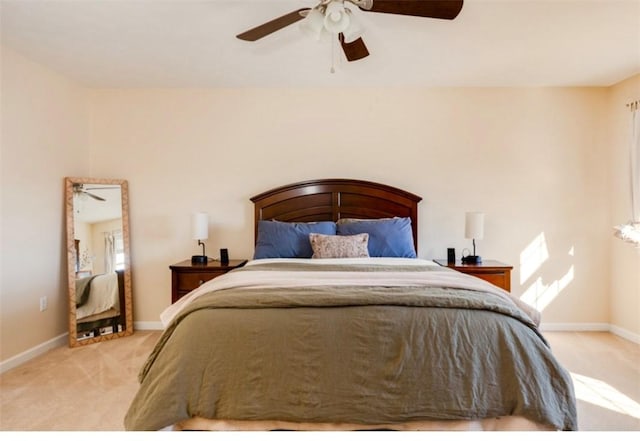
(43, 303)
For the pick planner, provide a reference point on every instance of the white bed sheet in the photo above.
(102, 297)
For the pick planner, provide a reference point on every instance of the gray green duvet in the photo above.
(375, 353)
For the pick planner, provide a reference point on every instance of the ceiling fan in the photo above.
(333, 16)
(79, 189)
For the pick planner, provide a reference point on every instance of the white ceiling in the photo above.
(187, 43)
(90, 210)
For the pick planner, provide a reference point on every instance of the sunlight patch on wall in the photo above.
(604, 395)
(532, 257)
(540, 295)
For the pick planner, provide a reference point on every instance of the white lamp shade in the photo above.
(200, 226)
(336, 19)
(312, 24)
(354, 31)
(474, 225)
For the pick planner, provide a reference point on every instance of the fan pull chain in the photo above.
(332, 70)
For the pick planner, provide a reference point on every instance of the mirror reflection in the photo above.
(99, 274)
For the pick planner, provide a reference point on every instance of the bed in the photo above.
(100, 303)
(344, 341)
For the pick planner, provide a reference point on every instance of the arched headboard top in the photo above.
(334, 199)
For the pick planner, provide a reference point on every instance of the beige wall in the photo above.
(532, 159)
(625, 259)
(44, 138)
(538, 161)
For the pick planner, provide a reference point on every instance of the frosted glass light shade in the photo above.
(336, 19)
(200, 226)
(313, 23)
(474, 225)
(354, 31)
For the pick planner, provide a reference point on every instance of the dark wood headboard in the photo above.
(333, 199)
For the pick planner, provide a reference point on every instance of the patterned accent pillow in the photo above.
(331, 247)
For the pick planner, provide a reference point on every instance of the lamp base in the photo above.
(199, 259)
(473, 260)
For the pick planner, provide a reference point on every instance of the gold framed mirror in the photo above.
(98, 260)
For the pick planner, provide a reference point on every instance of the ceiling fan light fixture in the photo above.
(336, 19)
(313, 23)
(354, 30)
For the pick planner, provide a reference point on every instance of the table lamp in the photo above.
(200, 232)
(473, 229)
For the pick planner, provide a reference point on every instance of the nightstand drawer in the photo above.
(500, 279)
(190, 281)
(187, 276)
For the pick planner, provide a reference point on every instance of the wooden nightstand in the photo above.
(186, 276)
(492, 271)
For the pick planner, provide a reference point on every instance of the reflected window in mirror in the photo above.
(99, 277)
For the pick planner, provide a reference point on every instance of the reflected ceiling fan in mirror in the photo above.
(78, 189)
(336, 17)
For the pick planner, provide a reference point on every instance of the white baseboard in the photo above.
(40, 349)
(575, 327)
(627, 335)
(591, 327)
(58, 341)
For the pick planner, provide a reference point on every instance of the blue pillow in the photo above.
(387, 237)
(288, 239)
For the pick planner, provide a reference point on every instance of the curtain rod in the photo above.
(633, 105)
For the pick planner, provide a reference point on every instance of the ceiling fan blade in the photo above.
(355, 50)
(444, 9)
(97, 198)
(272, 26)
